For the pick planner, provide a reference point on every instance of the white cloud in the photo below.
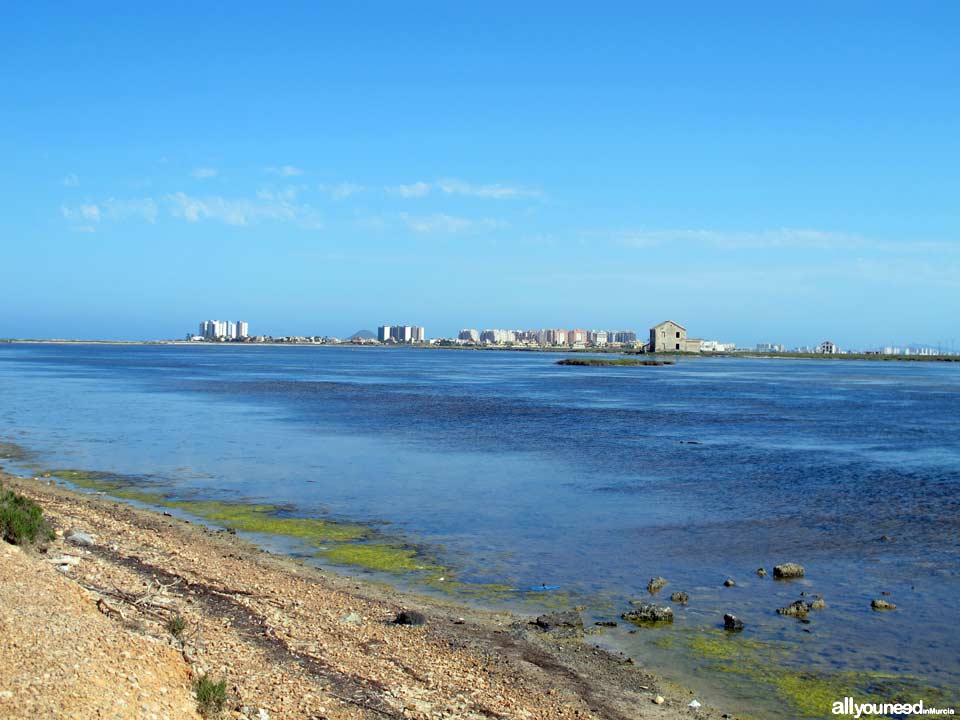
(417, 189)
(203, 173)
(71, 180)
(459, 187)
(111, 209)
(442, 223)
(340, 191)
(283, 170)
(269, 206)
(495, 191)
(87, 213)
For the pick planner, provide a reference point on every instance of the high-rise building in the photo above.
(401, 333)
(469, 335)
(243, 329)
(383, 333)
(418, 335)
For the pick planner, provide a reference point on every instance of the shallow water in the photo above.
(513, 470)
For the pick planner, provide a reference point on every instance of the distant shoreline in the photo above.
(752, 354)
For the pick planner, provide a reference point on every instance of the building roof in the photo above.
(671, 322)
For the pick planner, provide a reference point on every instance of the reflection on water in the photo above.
(521, 472)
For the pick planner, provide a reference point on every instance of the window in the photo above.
(678, 346)
(678, 333)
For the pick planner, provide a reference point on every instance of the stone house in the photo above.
(669, 336)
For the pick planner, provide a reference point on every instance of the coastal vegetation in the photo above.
(211, 696)
(612, 362)
(21, 519)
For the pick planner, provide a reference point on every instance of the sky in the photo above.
(759, 172)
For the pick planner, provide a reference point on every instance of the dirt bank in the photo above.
(85, 633)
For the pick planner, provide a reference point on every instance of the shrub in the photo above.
(21, 519)
(211, 696)
(176, 625)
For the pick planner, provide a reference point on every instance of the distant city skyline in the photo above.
(763, 173)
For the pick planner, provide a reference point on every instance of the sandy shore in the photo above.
(88, 626)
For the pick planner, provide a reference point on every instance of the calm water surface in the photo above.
(514, 470)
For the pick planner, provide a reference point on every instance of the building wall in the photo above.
(670, 337)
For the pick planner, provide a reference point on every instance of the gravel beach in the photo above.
(86, 632)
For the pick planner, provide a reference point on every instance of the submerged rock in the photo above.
(410, 617)
(797, 609)
(729, 582)
(656, 585)
(732, 622)
(761, 572)
(567, 621)
(818, 604)
(680, 597)
(649, 613)
(788, 570)
(882, 605)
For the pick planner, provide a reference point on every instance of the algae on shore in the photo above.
(810, 692)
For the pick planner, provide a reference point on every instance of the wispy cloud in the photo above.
(449, 224)
(451, 186)
(204, 173)
(495, 191)
(414, 190)
(340, 191)
(112, 209)
(283, 170)
(81, 213)
(71, 180)
(268, 206)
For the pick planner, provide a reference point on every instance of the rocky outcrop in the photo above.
(656, 585)
(732, 622)
(788, 570)
(649, 613)
(680, 597)
(879, 604)
(797, 609)
(565, 622)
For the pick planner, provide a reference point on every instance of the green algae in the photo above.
(268, 520)
(809, 692)
(380, 556)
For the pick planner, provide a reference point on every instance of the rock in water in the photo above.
(649, 613)
(787, 570)
(680, 597)
(732, 622)
(818, 604)
(761, 572)
(798, 609)
(568, 620)
(410, 617)
(729, 582)
(882, 605)
(656, 585)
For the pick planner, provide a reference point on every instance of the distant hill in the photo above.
(363, 335)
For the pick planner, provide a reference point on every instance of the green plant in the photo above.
(21, 520)
(176, 625)
(211, 696)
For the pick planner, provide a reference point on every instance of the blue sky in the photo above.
(756, 172)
